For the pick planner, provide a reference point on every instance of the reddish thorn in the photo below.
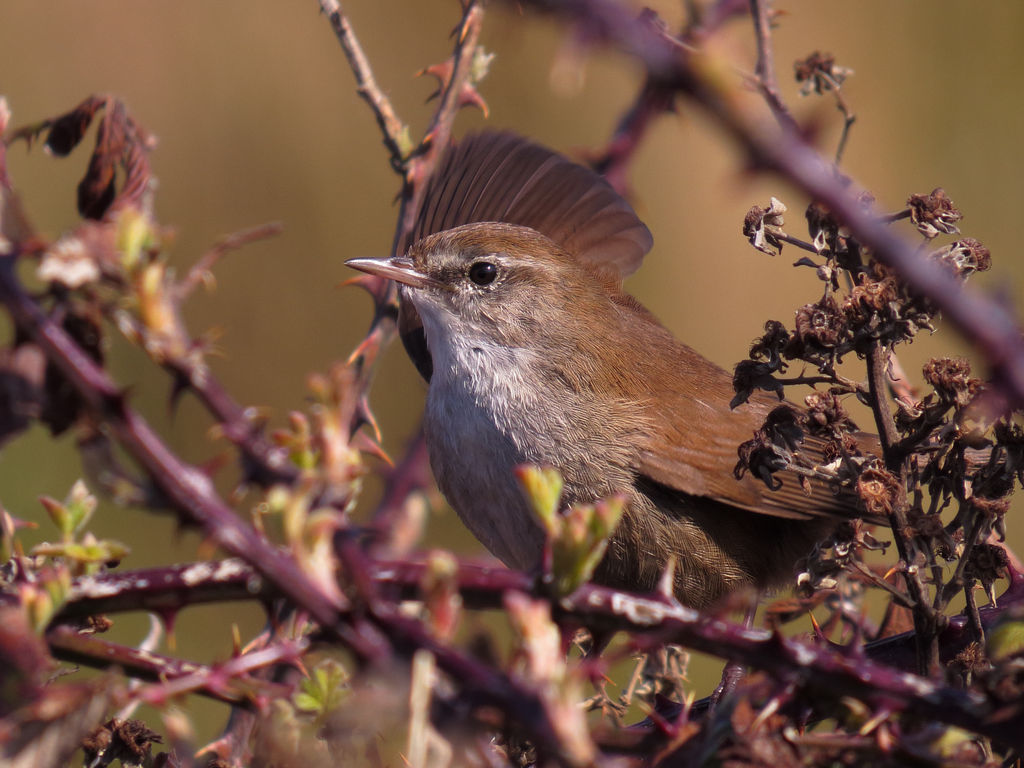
(366, 445)
(367, 415)
(367, 349)
(211, 466)
(442, 71)
(469, 96)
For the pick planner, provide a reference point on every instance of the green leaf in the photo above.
(543, 489)
(324, 690)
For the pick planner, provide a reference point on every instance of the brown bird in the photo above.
(512, 308)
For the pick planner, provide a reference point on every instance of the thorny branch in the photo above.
(823, 669)
(228, 682)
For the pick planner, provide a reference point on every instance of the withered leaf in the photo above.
(96, 190)
(68, 130)
(21, 379)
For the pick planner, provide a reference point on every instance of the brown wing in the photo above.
(497, 176)
(694, 398)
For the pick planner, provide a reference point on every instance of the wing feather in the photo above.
(680, 404)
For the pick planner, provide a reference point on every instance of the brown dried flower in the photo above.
(878, 490)
(971, 661)
(950, 378)
(842, 446)
(990, 508)
(930, 527)
(749, 375)
(825, 413)
(765, 359)
(771, 450)
(770, 346)
(987, 564)
(823, 228)
(126, 740)
(818, 73)
(964, 257)
(871, 295)
(820, 569)
(934, 214)
(762, 227)
(819, 325)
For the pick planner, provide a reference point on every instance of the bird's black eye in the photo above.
(483, 272)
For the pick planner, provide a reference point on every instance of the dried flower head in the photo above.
(770, 346)
(750, 375)
(765, 359)
(826, 414)
(819, 73)
(129, 741)
(762, 227)
(951, 379)
(878, 490)
(823, 229)
(986, 564)
(872, 296)
(835, 554)
(934, 214)
(930, 528)
(818, 328)
(964, 257)
(842, 446)
(772, 448)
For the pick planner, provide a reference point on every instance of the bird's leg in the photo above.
(731, 676)
(733, 671)
(593, 643)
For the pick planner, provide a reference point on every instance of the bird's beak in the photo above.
(397, 268)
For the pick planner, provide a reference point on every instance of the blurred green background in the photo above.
(257, 120)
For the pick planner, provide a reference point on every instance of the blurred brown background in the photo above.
(254, 108)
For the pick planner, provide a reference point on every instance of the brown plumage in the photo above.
(535, 355)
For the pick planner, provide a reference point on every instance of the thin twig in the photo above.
(228, 682)
(199, 272)
(973, 616)
(650, 102)
(878, 363)
(393, 130)
(416, 165)
(262, 462)
(439, 132)
(848, 117)
(761, 12)
(889, 218)
(924, 617)
(802, 244)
